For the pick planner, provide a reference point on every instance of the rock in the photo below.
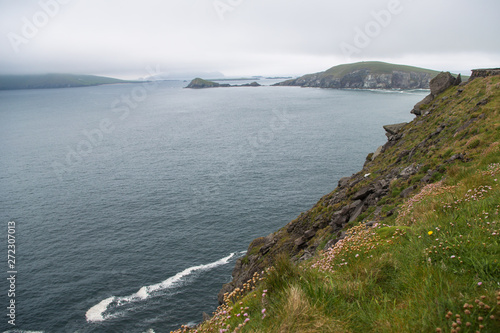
(306, 255)
(482, 102)
(309, 234)
(407, 191)
(362, 193)
(408, 171)
(455, 157)
(344, 181)
(377, 152)
(331, 243)
(394, 128)
(441, 82)
(359, 209)
(299, 242)
(339, 219)
(417, 108)
(483, 73)
(205, 316)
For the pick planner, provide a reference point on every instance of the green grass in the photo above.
(376, 67)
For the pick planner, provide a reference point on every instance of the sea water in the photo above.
(132, 202)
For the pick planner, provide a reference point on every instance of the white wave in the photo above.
(97, 312)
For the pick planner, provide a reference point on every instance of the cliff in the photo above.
(408, 244)
(367, 75)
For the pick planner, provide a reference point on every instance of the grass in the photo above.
(376, 67)
(434, 266)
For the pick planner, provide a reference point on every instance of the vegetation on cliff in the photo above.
(408, 244)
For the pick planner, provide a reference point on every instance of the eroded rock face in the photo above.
(363, 79)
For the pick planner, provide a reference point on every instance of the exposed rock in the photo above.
(362, 193)
(440, 83)
(408, 171)
(377, 152)
(344, 181)
(407, 191)
(483, 73)
(459, 157)
(394, 129)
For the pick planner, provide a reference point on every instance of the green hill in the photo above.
(46, 81)
(408, 244)
(367, 75)
(375, 67)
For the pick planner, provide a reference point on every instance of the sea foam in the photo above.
(97, 312)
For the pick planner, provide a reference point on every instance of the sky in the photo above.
(132, 39)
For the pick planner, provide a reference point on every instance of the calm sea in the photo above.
(132, 202)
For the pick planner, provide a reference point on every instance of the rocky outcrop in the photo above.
(201, 84)
(476, 73)
(440, 83)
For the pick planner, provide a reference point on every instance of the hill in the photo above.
(367, 75)
(408, 244)
(47, 81)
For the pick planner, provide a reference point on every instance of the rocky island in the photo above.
(199, 83)
(366, 75)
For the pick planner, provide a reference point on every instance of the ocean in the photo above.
(132, 202)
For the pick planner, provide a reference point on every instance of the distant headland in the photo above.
(48, 81)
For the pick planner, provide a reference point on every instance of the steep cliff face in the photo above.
(366, 75)
(416, 154)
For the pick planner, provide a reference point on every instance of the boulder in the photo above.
(441, 82)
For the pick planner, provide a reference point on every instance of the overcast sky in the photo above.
(121, 38)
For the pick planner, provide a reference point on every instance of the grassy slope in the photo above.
(375, 67)
(45, 81)
(433, 265)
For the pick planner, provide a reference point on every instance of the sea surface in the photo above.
(132, 202)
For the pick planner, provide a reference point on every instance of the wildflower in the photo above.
(247, 320)
(429, 233)
(453, 256)
(479, 283)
